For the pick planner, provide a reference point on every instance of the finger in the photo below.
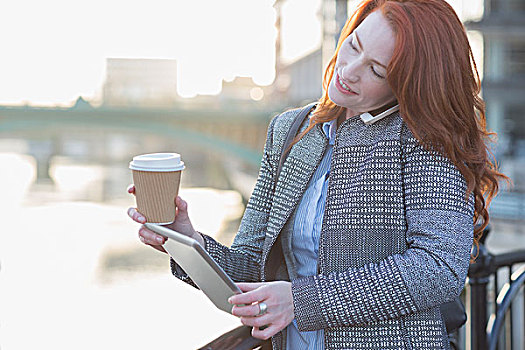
(247, 310)
(246, 287)
(158, 247)
(182, 207)
(180, 202)
(131, 189)
(259, 321)
(136, 216)
(150, 237)
(248, 297)
(265, 333)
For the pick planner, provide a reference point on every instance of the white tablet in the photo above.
(199, 265)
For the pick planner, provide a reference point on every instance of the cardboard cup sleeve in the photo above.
(155, 193)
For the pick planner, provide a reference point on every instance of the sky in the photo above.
(54, 51)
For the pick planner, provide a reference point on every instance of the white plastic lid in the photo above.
(157, 162)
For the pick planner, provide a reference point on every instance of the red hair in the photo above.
(434, 78)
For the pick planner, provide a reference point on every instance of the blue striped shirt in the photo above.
(305, 238)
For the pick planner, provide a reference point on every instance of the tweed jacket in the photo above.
(395, 241)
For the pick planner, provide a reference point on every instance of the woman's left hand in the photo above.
(279, 307)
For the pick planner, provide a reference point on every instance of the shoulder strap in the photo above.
(276, 258)
(290, 135)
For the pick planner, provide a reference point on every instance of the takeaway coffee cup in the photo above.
(157, 178)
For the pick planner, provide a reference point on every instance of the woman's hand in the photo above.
(182, 221)
(181, 224)
(279, 307)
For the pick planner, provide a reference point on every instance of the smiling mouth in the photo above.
(343, 85)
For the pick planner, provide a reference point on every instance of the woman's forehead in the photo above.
(376, 37)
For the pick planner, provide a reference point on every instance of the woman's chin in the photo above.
(337, 98)
(334, 96)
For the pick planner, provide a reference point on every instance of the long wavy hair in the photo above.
(434, 78)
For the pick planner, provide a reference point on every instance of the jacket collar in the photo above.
(296, 172)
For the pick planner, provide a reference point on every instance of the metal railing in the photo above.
(484, 296)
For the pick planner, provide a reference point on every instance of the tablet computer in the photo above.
(199, 265)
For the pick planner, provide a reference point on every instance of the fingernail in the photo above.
(142, 239)
(230, 300)
(141, 218)
(159, 239)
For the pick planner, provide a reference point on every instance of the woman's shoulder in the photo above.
(411, 143)
(282, 122)
(417, 151)
(407, 136)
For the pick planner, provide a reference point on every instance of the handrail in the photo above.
(508, 259)
(484, 333)
(505, 297)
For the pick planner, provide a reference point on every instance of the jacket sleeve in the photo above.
(242, 261)
(430, 272)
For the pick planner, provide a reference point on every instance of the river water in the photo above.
(74, 275)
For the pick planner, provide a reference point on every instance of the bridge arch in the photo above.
(11, 126)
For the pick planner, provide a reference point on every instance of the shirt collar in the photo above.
(329, 129)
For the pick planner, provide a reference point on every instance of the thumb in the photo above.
(182, 207)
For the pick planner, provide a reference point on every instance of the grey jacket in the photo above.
(395, 241)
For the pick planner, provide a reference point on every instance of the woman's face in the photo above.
(359, 81)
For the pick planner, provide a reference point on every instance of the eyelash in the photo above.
(352, 45)
(371, 67)
(375, 73)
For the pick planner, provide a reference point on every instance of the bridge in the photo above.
(236, 131)
(240, 132)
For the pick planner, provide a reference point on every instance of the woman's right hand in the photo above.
(147, 236)
(182, 224)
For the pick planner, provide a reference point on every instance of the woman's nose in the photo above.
(350, 72)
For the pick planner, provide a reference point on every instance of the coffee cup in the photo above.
(157, 179)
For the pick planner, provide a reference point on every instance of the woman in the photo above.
(373, 218)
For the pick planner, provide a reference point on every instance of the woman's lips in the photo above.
(345, 90)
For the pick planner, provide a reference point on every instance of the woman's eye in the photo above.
(375, 73)
(352, 46)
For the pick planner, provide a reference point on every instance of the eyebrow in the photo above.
(361, 47)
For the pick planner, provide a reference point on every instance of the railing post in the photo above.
(479, 276)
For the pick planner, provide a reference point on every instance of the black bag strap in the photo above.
(275, 256)
(290, 135)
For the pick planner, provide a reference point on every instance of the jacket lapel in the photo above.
(296, 172)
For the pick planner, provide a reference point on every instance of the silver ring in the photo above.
(262, 308)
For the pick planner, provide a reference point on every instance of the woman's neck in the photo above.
(382, 109)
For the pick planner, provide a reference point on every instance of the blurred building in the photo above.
(503, 29)
(241, 89)
(140, 83)
(334, 14)
(241, 92)
(303, 79)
